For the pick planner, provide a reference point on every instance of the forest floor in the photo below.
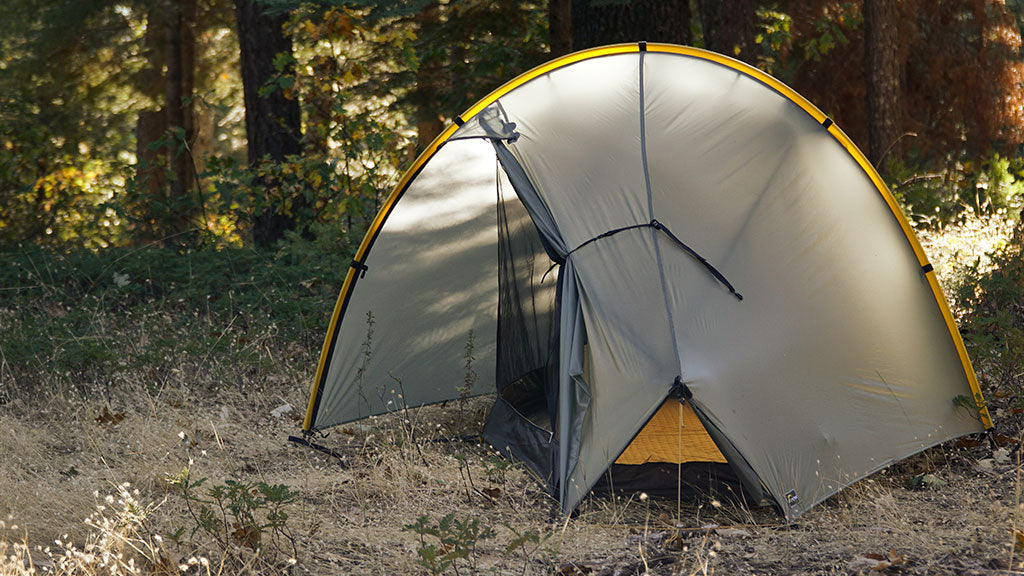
(61, 455)
(142, 434)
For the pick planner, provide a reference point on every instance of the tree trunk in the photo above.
(729, 27)
(882, 70)
(595, 23)
(150, 176)
(151, 128)
(560, 26)
(430, 77)
(272, 123)
(179, 85)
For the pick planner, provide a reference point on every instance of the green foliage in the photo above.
(994, 325)
(238, 514)
(940, 196)
(497, 467)
(65, 116)
(444, 543)
(528, 541)
(785, 49)
(67, 312)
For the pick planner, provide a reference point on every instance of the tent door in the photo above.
(674, 435)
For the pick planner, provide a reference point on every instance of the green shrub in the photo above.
(993, 326)
(940, 195)
(238, 514)
(444, 543)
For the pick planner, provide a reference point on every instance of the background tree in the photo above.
(595, 22)
(272, 120)
(180, 46)
(882, 73)
(729, 27)
(106, 105)
(560, 27)
(432, 82)
(65, 117)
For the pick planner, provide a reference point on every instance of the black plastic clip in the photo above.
(360, 268)
(643, 45)
(681, 390)
(459, 121)
(826, 123)
(927, 268)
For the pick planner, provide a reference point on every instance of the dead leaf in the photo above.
(573, 569)
(868, 562)
(1018, 540)
(895, 558)
(109, 417)
(1003, 440)
(164, 567)
(969, 443)
(281, 410)
(247, 536)
(492, 492)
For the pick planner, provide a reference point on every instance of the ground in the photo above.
(61, 455)
(143, 433)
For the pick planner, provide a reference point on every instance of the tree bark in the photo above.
(882, 70)
(560, 27)
(595, 23)
(179, 84)
(272, 123)
(151, 128)
(729, 27)
(430, 78)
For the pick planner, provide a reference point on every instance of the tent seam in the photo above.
(650, 213)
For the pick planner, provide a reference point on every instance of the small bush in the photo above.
(993, 327)
(237, 515)
(444, 543)
(939, 196)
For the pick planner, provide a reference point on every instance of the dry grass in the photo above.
(67, 441)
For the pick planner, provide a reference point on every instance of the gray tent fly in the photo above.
(663, 257)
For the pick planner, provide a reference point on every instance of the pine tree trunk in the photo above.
(560, 26)
(596, 23)
(729, 27)
(272, 123)
(430, 78)
(151, 127)
(882, 70)
(179, 85)
(150, 176)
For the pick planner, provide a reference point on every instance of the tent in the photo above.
(653, 254)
